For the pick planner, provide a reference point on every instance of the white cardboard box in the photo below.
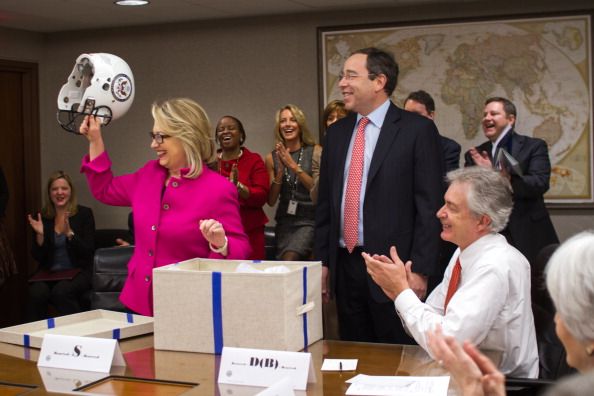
(201, 305)
(97, 323)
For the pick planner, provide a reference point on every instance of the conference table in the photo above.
(196, 373)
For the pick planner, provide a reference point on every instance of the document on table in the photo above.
(401, 386)
(339, 365)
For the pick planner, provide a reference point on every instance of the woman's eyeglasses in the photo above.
(158, 137)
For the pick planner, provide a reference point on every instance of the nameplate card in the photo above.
(260, 367)
(80, 353)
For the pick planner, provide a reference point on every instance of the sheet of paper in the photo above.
(402, 386)
(339, 364)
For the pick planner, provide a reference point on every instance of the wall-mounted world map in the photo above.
(542, 64)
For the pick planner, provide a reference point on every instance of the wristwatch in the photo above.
(299, 170)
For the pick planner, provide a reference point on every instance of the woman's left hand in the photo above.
(213, 232)
(285, 156)
(234, 175)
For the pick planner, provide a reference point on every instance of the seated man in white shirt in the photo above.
(489, 304)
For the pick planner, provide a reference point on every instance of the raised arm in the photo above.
(91, 129)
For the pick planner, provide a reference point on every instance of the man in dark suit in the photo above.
(422, 103)
(530, 227)
(396, 196)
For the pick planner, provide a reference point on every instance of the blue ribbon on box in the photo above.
(217, 312)
(305, 337)
(50, 322)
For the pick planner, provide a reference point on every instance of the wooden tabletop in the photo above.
(18, 366)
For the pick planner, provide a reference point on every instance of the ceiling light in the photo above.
(131, 2)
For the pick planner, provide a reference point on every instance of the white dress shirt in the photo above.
(491, 307)
(495, 145)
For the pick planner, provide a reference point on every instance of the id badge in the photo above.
(292, 208)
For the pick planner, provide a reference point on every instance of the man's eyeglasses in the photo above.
(158, 137)
(351, 76)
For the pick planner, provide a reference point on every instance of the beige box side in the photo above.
(253, 310)
(259, 310)
(294, 321)
(183, 309)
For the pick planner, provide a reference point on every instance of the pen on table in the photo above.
(340, 366)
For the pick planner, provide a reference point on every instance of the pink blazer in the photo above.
(166, 219)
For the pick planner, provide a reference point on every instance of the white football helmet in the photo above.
(100, 84)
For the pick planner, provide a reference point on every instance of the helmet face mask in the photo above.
(101, 85)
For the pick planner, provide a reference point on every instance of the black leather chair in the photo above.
(110, 269)
(106, 237)
(526, 387)
(270, 243)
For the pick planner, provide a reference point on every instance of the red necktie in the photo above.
(353, 190)
(454, 282)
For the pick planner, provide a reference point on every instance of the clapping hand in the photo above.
(473, 371)
(234, 175)
(389, 273)
(480, 158)
(36, 224)
(285, 156)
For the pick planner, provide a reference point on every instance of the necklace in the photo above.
(293, 184)
(225, 166)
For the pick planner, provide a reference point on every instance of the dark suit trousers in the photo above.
(63, 295)
(360, 317)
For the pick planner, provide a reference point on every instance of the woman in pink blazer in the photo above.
(181, 208)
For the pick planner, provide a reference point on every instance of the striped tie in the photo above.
(353, 191)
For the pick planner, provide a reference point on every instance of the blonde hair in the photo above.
(49, 211)
(187, 121)
(304, 136)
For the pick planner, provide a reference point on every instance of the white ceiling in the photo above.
(63, 15)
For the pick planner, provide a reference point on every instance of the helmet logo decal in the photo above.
(121, 88)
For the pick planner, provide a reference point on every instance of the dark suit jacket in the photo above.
(3, 193)
(80, 249)
(451, 153)
(529, 228)
(403, 193)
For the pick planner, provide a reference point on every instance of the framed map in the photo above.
(542, 64)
